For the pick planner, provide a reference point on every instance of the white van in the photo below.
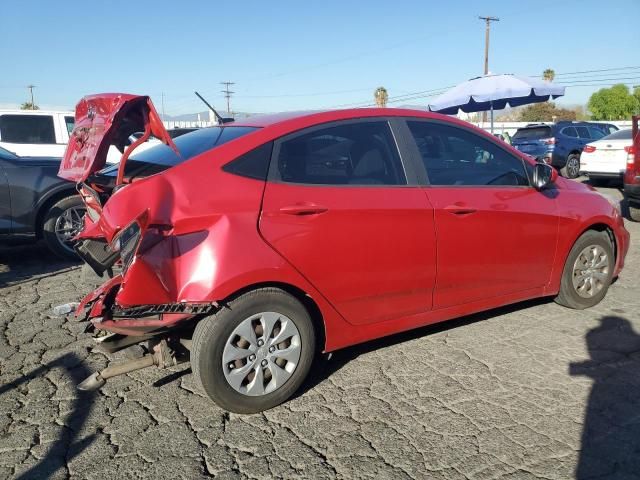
(42, 133)
(35, 133)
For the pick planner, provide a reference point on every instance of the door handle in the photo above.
(460, 210)
(303, 209)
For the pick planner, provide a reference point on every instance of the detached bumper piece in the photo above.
(97, 254)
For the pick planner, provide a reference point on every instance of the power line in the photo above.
(227, 94)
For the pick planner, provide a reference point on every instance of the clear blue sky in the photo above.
(287, 55)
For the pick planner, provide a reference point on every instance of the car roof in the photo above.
(328, 115)
(9, 111)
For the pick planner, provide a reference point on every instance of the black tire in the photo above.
(49, 226)
(572, 167)
(211, 335)
(568, 295)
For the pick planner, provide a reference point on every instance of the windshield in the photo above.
(7, 154)
(162, 157)
(619, 135)
(532, 133)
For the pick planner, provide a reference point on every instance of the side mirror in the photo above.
(543, 175)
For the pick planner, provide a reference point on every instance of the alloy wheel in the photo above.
(590, 271)
(68, 225)
(261, 353)
(573, 167)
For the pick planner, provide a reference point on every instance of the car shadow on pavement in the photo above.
(21, 263)
(326, 365)
(610, 446)
(66, 448)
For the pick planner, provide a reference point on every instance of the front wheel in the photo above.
(572, 168)
(587, 272)
(62, 222)
(254, 353)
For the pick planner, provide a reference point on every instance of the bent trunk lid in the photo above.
(108, 119)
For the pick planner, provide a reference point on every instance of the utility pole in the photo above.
(487, 32)
(31, 87)
(227, 94)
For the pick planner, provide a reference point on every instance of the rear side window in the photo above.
(570, 132)
(532, 133)
(69, 123)
(36, 129)
(253, 164)
(454, 156)
(361, 153)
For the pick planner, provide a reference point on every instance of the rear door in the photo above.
(342, 208)
(496, 234)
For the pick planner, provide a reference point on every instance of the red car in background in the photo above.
(249, 246)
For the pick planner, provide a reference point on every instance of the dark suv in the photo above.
(560, 144)
(36, 203)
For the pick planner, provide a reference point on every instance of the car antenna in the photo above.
(219, 118)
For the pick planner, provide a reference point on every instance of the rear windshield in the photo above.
(162, 157)
(532, 133)
(619, 135)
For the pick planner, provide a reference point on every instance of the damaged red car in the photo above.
(248, 247)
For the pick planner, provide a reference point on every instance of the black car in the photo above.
(36, 203)
(560, 144)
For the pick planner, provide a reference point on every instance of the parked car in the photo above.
(560, 144)
(607, 158)
(632, 173)
(262, 241)
(35, 133)
(36, 203)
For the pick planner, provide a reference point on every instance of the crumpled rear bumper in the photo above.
(101, 310)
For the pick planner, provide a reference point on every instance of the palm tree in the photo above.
(29, 106)
(548, 75)
(381, 96)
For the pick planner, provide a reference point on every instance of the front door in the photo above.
(339, 208)
(496, 234)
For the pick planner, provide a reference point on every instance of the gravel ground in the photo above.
(530, 391)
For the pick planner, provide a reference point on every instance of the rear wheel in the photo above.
(254, 353)
(572, 167)
(634, 212)
(63, 221)
(587, 271)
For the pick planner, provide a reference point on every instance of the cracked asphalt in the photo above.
(533, 390)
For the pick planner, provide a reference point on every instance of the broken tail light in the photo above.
(126, 243)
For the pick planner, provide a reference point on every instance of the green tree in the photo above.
(549, 74)
(615, 103)
(29, 106)
(381, 96)
(546, 112)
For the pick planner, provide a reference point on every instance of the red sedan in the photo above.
(248, 247)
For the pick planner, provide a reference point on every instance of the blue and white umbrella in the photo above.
(495, 92)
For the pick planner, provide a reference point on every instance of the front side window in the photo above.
(455, 156)
(361, 153)
(583, 132)
(36, 129)
(596, 133)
